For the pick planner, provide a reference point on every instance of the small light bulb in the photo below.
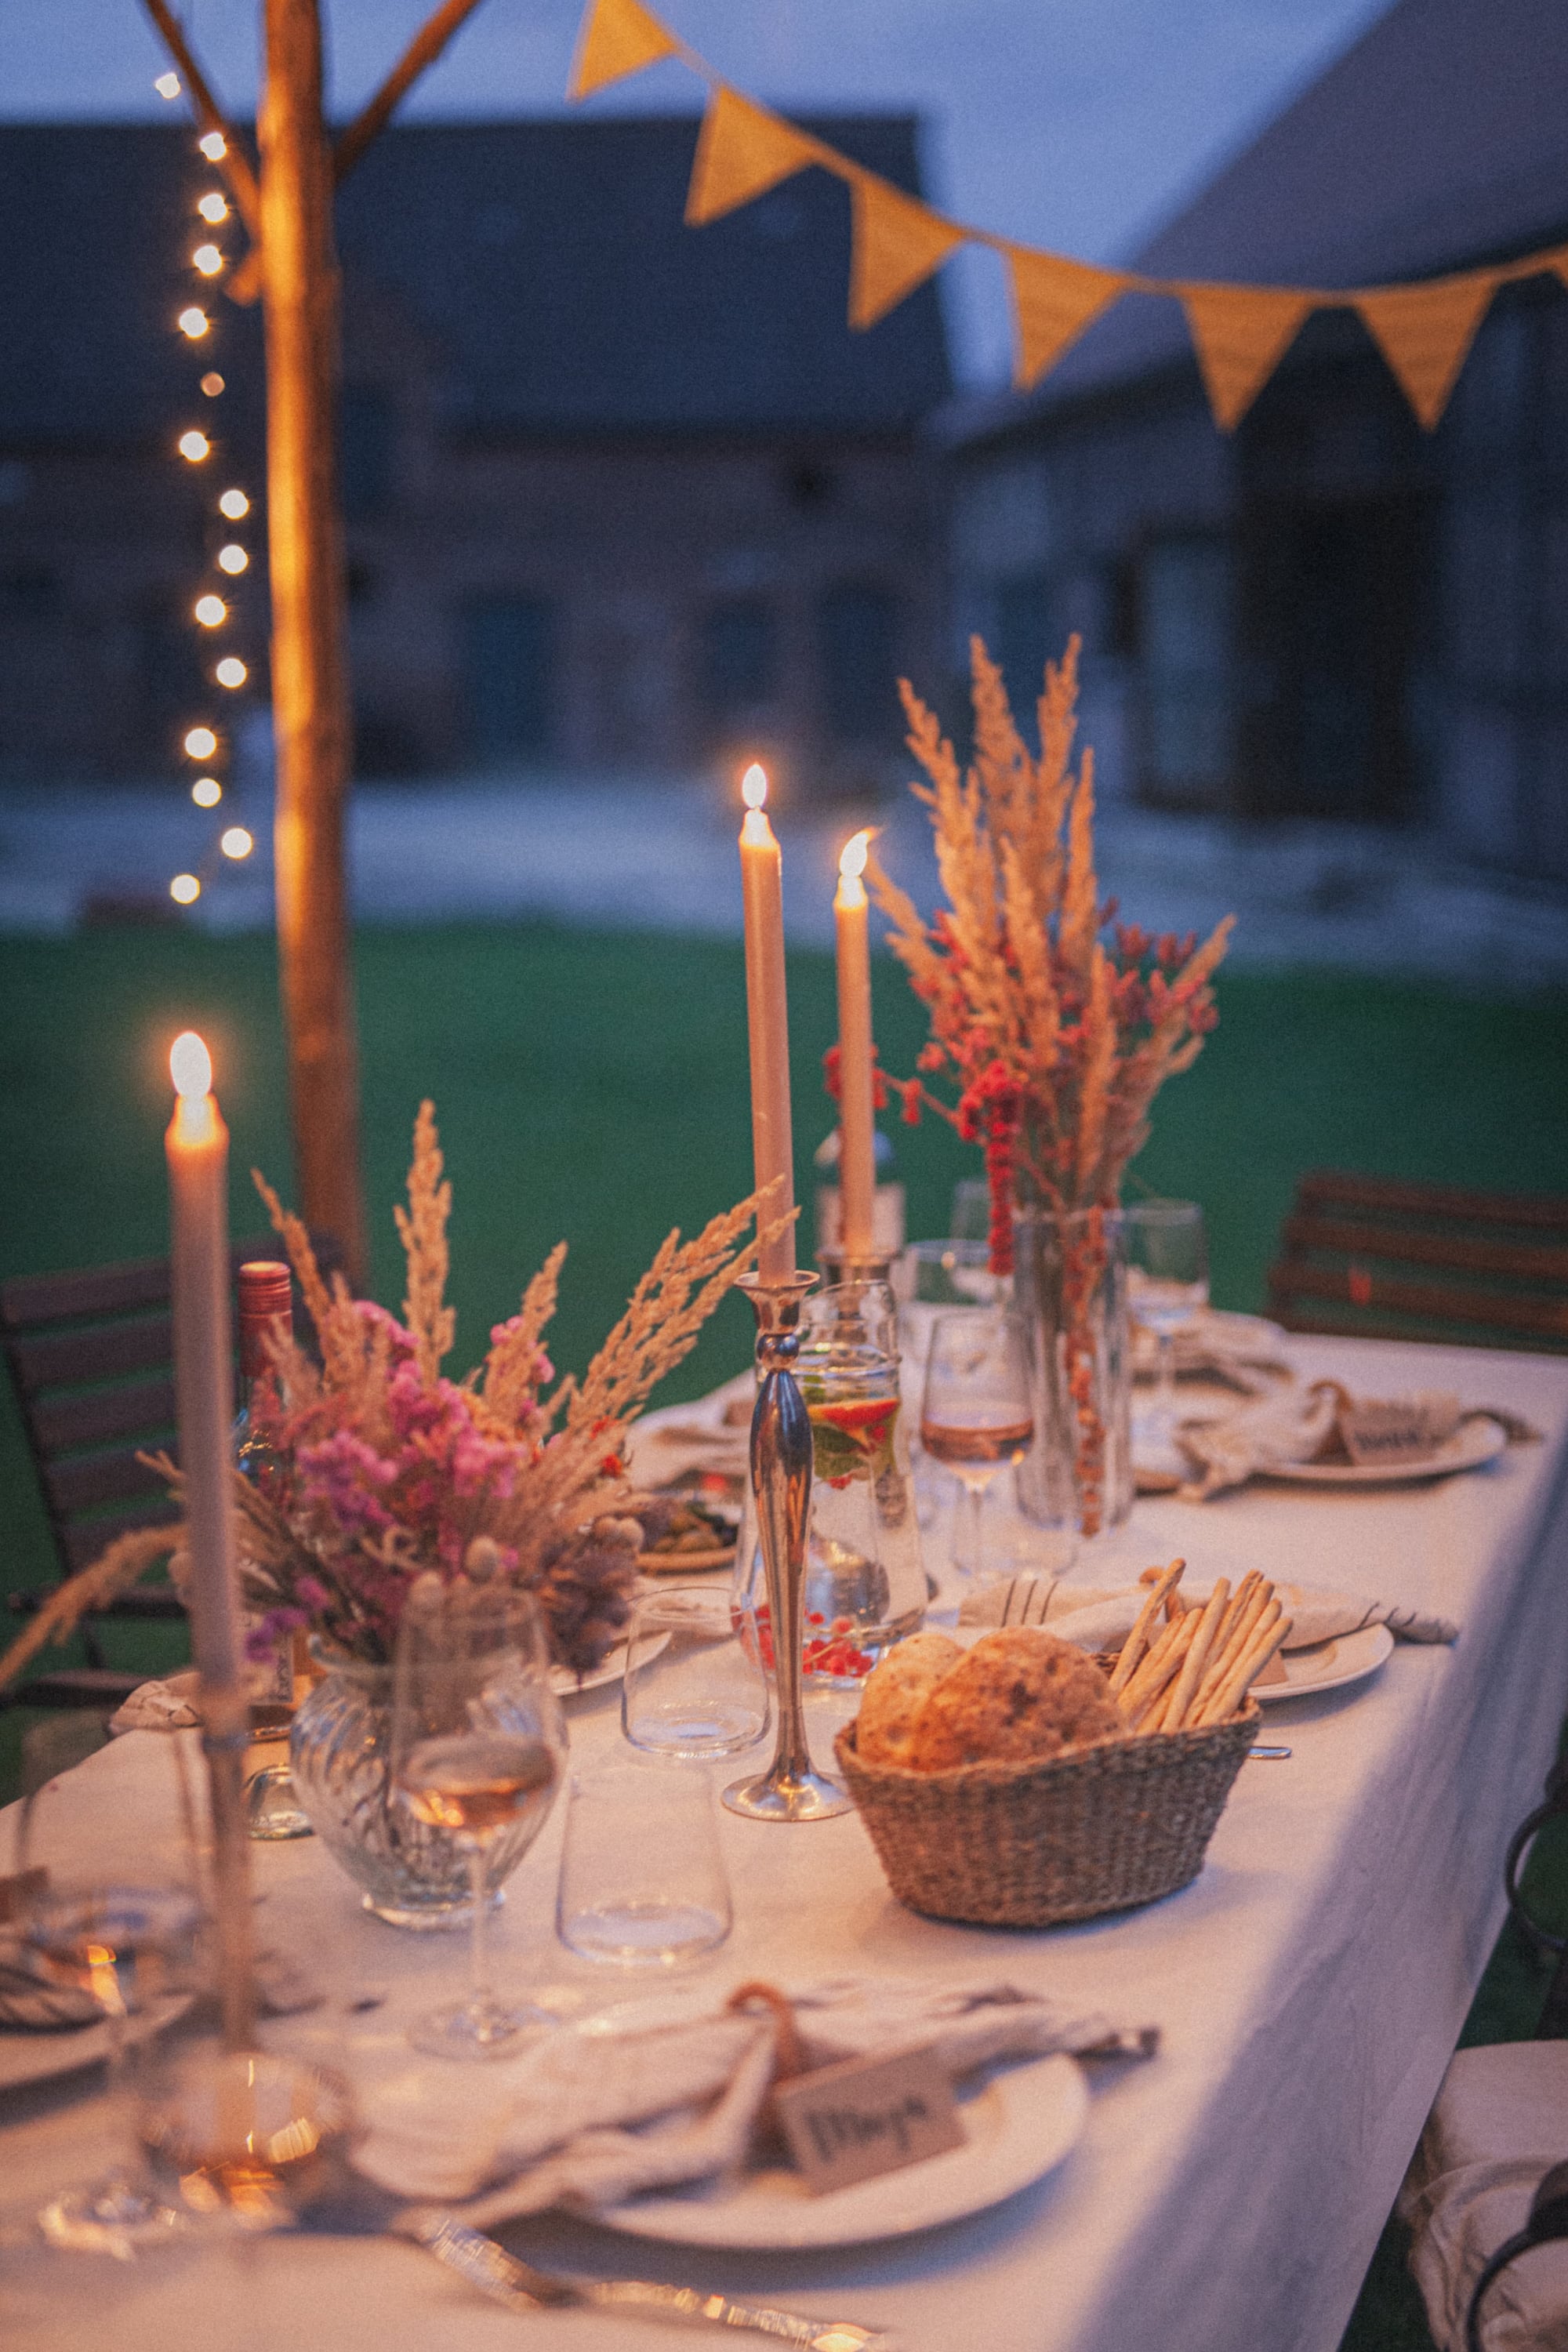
(213, 207)
(213, 146)
(193, 324)
(234, 503)
(236, 842)
(232, 559)
(212, 383)
(194, 446)
(231, 671)
(208, 259)
(210, 612)
(206, 792)
(200, 743)
(184, 889)
(167, 85)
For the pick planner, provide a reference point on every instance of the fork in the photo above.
(508, 2280)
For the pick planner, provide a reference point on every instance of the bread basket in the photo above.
(1031, 1845)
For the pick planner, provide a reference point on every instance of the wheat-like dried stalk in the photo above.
(123, 1564)
(509, 1379)
(422, 1230)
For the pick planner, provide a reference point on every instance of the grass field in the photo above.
(593, 1086)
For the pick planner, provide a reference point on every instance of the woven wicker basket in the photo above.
(1030, 1845)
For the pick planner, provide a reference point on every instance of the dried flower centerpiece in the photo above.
(1056, 1025)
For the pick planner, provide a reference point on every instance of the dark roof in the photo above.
(545, 265)
(1439, 139)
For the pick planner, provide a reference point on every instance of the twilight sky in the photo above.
(1075, 124)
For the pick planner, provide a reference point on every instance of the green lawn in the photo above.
(593, 1086)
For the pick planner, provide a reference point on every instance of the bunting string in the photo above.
(1240, 333)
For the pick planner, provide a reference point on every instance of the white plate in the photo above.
(39, 2057)
(1473, 1442)
(1019, 2124)
(1327, 1665)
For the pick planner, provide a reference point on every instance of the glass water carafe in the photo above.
(865, 1579)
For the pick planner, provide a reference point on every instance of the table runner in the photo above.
(1310, 1985)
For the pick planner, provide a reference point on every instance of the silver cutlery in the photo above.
(1269, 1755)
(506, 2279)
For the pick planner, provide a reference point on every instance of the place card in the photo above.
(1399, 1429)
(867, 2115)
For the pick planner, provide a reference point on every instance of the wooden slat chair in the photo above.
(91, 1357)
(1389, 1260)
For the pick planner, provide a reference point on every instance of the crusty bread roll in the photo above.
(1019, 1696)
(896, 1688)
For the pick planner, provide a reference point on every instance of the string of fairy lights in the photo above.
(217, 606)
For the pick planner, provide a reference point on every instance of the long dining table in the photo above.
(1224, 2195)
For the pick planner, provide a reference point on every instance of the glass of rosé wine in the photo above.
(976, 1415)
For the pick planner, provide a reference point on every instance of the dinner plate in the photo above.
(611, 1668)
(39, 2057)
(1473, 1442)
(1327, 1665)
(1018, 2125)
(686, 1563)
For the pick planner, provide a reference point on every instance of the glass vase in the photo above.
(340, 1759)
(1070, 1286)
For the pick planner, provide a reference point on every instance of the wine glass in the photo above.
(1167, 1284)
(477, 1743)
(128, 1948)
(977, 1413)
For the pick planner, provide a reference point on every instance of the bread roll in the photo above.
(896, 1688)
(1019, 1696)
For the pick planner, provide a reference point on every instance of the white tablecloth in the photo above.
(1311, 1985)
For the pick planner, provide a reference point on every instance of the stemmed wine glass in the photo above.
(976, 1412)
(477, 1743)
(1167, 1284)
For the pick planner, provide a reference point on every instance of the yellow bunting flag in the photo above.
(1053, 303)
(741, 152)
(1241, 333)
(617, 37)
(1424, 333)
(897, 243)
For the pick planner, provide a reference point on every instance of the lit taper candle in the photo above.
(198, 1149)
(857, 1133)
(762, 892)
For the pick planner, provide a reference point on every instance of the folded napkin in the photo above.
(590, 2118)
(1096, 1620)
(1292, 1425)
(166, 1706)
(31, 2002)
(1243, 1350)
(712, 1435)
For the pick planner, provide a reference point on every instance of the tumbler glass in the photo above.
(642, 1880)
(694, 1684)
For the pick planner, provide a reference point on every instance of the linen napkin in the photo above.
(588, 2119)
(1243, 1350)
(166, 1706)
(713, 1434)
(1292, 1426)
(31, 2002)
(1096, 1620)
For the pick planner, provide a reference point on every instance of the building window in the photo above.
(1185, 624)
(367, 432)
(857, 643)
(1027, 636)
(740, 656)
(509, 665)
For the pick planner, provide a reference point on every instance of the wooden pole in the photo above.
(309, 672)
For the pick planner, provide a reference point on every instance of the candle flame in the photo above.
(852, 863)
(190, 1065)
(754, 786)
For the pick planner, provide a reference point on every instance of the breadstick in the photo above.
(1137, 1641)
(1232, 1693)
(1198, 1649)
(1234, 1635)
(1151, 1675)
(1141, 1705)
(1239, 1598)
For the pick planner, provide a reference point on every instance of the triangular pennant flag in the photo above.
(1424, 331)
(741, 152)
(1053, 301)
(898, 244)
(616, 38)
(1241, 333)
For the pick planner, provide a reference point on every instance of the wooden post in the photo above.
(309, 671)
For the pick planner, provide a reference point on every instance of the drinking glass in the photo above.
(246, 2137)
(971, 1216)
(694, 1684)
(478, 1745)
(129, 1948)
(642, 1880)
(1167, 1283)
(934, 1277)
(977, 1413)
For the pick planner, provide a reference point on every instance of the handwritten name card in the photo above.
(866, 2116)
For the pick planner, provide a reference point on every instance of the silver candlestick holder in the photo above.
(789, 1791)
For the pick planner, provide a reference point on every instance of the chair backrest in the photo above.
(91, 1358)
(1388, 1259)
